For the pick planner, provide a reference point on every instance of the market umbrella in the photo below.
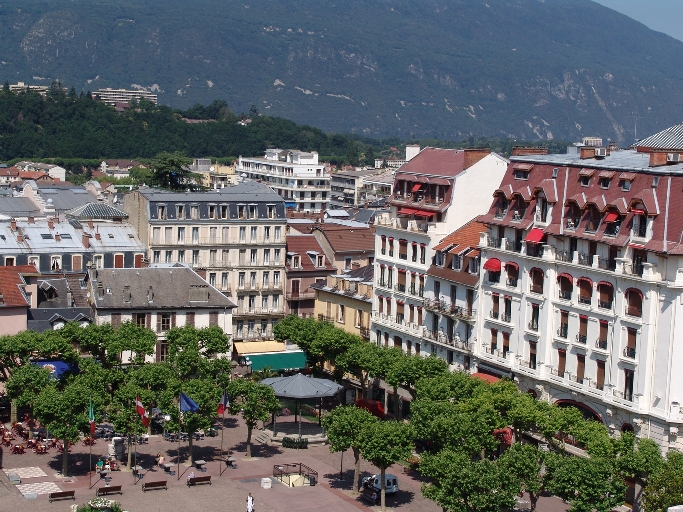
(300, 386)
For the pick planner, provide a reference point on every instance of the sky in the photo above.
(660, 15)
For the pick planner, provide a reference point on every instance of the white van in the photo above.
(391, 485)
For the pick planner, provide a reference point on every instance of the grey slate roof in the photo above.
(18, 207)
(168, 286)
(96, 211)
(64, 199)
(671, 138)
(244, 192)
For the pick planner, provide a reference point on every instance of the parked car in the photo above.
(391, 485)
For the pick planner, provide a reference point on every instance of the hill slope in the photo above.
(446, 69)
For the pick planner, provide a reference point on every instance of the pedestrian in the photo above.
(160, 459)
(250, 503)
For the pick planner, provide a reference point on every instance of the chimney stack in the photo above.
(31, 220)
(91, 224)
(50, 224)
(97, 236)
(14, 224)
(86, 240)
(58, 237)
(657, 158)
(473, 155)
(527, 150)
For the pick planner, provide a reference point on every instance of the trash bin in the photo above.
(311, 479)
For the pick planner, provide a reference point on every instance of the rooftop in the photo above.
(11, 285)
(343, 239)
(245, 192)
(96, 211)
(308, 248)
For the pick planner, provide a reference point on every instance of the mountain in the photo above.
(534, 69)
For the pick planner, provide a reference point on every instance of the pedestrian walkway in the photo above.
(38, 488)
(32, 472)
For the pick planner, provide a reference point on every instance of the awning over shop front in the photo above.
(257, 347)
(276, 361)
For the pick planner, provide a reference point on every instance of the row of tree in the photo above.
(108, 368)
(486, 443)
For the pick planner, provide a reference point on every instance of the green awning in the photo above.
(278, 361)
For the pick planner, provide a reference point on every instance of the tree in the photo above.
(665, 486)
(384, 443)
(588, 484)
(344, 426)
(25, 385)
(370, 157)
(460, 485)
(190, 350)
(524, 463)
(122, 412)
(206, 395)
(255, 401)
(170, 170)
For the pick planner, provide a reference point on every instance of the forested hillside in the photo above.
(444, 69)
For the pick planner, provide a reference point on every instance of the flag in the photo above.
(142, 411)
(223, 404)
(187, 404)
(91, 418)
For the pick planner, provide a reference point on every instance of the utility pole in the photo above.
(635, 126)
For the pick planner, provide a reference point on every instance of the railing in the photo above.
(402, 256)
(533, 325)
(565, 295)
(585, 259)
(514, 246)
(565, 256)
(634, 269)
(605, 304)
(607, 264)
(494, 243)
(592, 225)
(294, 295)
(601, 344)
(585, 300)
(493, 314)
(512, 282)
(581, 338)
(563, 331)
(505, 317)
(364, 333)
(536, 288)
(401, 287)
(630, 352)
(572, 222)
(325, 318)
(534, 250)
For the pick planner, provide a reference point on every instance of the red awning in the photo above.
(423, 213)
(402, 270)
(565, 274)
(407, 211)
(494, 294)
(493, 265)
(416, 187)
(420, 308)
(605, 283)
(634, 290)
(384, 236)
(391, 238)
(637, 211)
(513, 265)
(423, 245)
(380, 297)
(382, 265)
(413, 243)
(604, 322)
(535, 236)
(590, 282)
(402, 241)
(583, 317)
(611, 217)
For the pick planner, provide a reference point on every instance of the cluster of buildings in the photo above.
(562, 272)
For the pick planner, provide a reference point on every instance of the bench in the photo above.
(154, 485)
(370, 495)
(62, 495)
(112, 489)
(199, 480)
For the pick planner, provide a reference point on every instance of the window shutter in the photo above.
(189, 318)
(158, 322)
(148, 320)
(115, 320)
(172, 320)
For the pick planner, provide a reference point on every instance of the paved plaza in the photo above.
(40, 474)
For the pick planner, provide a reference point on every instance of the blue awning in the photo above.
(290, 204)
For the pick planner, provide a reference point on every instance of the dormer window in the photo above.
(241, 209)
(320, 260)
(604, 183)
(473, 267)
(639, 223)
(253, 212)
(456, 263)
(180, 211)
(161, 212)
(296, 261)
(502, 208)
(212, 211)
(440, 258)
(625, 185)
(521, 174)
(585, 181)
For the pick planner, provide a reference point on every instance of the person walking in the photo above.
(250, 503)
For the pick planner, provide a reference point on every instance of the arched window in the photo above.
(634, 302)
(537, 277)
(605, 295)
(502, 205)
(566, 285)
(573, 215)
(585, 290)
(627, 427)
(519, 208)
(594, 216)
(512, 270)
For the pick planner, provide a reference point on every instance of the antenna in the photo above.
(635, 126)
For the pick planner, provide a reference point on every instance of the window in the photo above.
(140, 319)
(276, 278)
(628, 385)
(358, 320)
(473, 266)
(391, 247)
(168, 235)
(566, 286)
(195, 235)
(340, 313)
(224, 211)
(264, 303)
(278, 233)
(634, 302)
(423, 253)
(501, 207)
(213, 233)
(625, 185)
(240, 280)
(276, 302)
(495, 307)
(585, 291)
(561, 362)
(212, 211)
(189, 318)
(266, 279)
(266, 234)
(168, 257)
(156, 257)
(456, 262)
(277, 256)
(605, 295)
(253, 257)
(241, 209)
(563, 330)
(383, 248)
(320, 260)
(212, 279)
(532, 355)
(582, 335)
(630, 350)
(161, 212)
(164, 321)
(98, 259)
(296, 261)
(225, 257)
(35, 261)
(181, 235)
(601, 342)
(600, 374)
(521, 174)
(156, 235)
(252, 280)
(271, 211)
(266, 256)
(194, 212)
(537, 277)
(253, 212)
(535, 314)
(213, 318)
(640, 225)
(224, 281)
(494, 340)
(195, 257)
(180, 211)
(440, 258)
(604, 183)
(254, 234)
(585, 181)
(181, 256)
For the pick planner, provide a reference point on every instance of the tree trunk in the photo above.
(30, 422)
(249, 429)
(13, 412)
(65, 458)
(356, 471)
(383, 486)
(130, 452)
(189, 447)
(533, 499)
(397, 413)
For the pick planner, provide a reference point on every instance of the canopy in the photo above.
(513, 265)
(407, 211)
(422, 213)
(416, 187)
(611, 217)
(492, 264)
(277, 361)
(301, 386)
(535, 235)
(57, 368)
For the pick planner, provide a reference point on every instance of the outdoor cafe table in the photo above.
(199, 464)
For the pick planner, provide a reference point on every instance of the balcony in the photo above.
(294, 295)
(445, 308)
(601, 344)
(634, 269)
(401, 287)
(402, 223)
(563, 294)
(630, 352)
(511, 282)
(514, 246)
(253, 336)
(585, 300)
(585, 259)
(605, 304)
(534, 250)
(402, 256)
(495, 243)
(506, 317)
(536, 288)
(633, 311)
(533, 325)
(493, 314)
(325, 318)
(563, 331)
(581, 338)
(607, 264)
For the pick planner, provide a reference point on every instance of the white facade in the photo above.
(295, 175)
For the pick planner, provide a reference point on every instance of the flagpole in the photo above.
(91, 441)
(180, 412)
(220, 468)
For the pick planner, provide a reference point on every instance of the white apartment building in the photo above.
(234, 237)
(113, 96)
(295, 175)
(435, 193)
(582, 283)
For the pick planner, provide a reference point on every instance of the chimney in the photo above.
(97, 235)
(529, 150)
(50, 224)
(473, 155)
(86, 241)
(100, 291)
(657, 158)
(20, 237)
(586, 152)
(412, 150)
(31, 220)
(90, 224)
(69, 298)
(14, 224)
(150, 294)
(58, 237)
